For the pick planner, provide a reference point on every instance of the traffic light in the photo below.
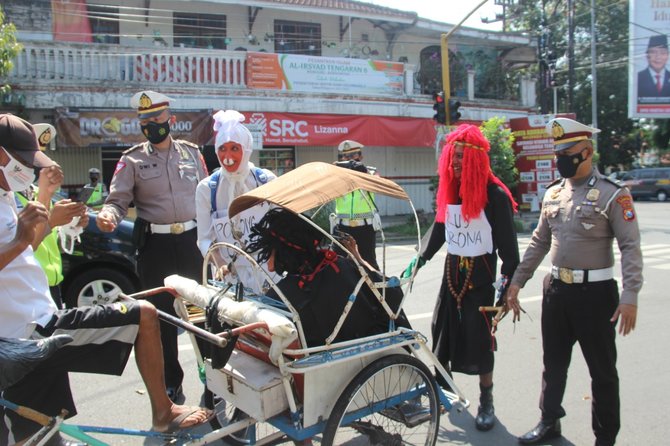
(440, 115)
(454, 114)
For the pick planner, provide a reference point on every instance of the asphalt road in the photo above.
(643, 362)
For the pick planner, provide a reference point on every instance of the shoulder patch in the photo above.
(133, 148)
(617, 183)
(626, 203)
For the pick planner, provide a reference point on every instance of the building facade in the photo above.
(306, 76)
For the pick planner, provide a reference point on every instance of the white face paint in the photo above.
(19, 177)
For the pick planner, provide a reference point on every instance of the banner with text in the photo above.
(323, 74)
(294, 129)
(84, 128)
(534, 149)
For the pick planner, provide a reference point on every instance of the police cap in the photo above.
(348, 147)
(567, 132)
(149, 103)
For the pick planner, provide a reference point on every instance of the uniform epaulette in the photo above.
(617, 183)
(189, 143)
(133, 148)
(554, 183)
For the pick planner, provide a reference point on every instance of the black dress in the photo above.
(461, 338)
(320, 303)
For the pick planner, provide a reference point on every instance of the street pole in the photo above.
(444, 48)
(594, 78)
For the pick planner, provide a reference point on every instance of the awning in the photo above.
(312, 185)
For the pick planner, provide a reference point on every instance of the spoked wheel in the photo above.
(392, 402)
(226, 414)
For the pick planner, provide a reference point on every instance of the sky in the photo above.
(448, 11)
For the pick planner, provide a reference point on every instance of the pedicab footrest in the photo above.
(252, 385)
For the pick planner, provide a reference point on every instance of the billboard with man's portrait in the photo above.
(648, 69)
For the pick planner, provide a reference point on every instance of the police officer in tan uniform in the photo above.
(582, 214)
(160, 177)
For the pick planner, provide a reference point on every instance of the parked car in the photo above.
(101, 266)
(651, 182)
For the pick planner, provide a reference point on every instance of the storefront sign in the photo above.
(323, 74)
(292, 129)
(99, 127)
(535, 158)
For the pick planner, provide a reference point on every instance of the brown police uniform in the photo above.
(162, 185)
(579, 221)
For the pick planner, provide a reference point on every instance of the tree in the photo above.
(549, 18)
(9, 49)
(501, 154)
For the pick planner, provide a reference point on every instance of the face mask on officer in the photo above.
(156, 132)
(567, 165)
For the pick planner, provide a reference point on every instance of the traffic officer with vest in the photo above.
(98, 190)
(61, 213)
(581, 215)
(356, 213)
(160, 177)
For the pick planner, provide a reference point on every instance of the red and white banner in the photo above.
(294, 129)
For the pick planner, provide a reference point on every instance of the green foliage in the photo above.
(501, 154)
(618, 141)
(9, 49)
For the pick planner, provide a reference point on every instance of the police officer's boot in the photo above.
(485, 414)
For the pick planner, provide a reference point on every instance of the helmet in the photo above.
(93, 170)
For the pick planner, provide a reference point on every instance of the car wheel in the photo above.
(98, 286)
(661, 195)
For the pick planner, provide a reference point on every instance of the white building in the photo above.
(306, 75)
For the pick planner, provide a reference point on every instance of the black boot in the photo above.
(485, 414)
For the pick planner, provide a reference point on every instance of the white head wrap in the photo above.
(228, 127)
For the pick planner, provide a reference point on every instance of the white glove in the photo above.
(69, 235)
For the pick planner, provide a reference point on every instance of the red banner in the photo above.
(293, 129)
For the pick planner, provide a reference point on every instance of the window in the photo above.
(199, 30)
(297, 38)
(277, 159)
(104, 22)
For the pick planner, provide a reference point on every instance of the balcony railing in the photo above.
(75, 63)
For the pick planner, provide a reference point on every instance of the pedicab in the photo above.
(272, 387)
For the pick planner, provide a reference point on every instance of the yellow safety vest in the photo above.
(47, 253)
(355, 205)
(96, 195)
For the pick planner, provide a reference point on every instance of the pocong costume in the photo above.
(103, 335)
(461, 334)
(214, 225)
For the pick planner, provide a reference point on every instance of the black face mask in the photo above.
(567, 165)
(93, 179)
(156, 133)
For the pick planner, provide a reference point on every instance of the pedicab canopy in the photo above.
(312, 185)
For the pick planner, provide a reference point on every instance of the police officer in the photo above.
(581, 215)
(160, 177)
(356, 213)
(98, 190)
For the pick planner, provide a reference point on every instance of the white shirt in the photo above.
(24, 291)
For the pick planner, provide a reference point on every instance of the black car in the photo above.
(101, 266)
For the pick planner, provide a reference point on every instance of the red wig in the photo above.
(476, 174)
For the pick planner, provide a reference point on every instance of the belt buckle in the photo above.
(565, 275)
(176, 228)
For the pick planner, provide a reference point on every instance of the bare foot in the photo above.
(182, 417)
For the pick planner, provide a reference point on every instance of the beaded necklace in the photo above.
(468, 264)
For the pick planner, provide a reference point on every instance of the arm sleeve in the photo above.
(623, 221)
(121, 189)
(432, 241)
(538, 247)
(504, 233)
(203, 215)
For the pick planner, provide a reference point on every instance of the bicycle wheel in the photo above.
(402, 395)
(227, 413)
